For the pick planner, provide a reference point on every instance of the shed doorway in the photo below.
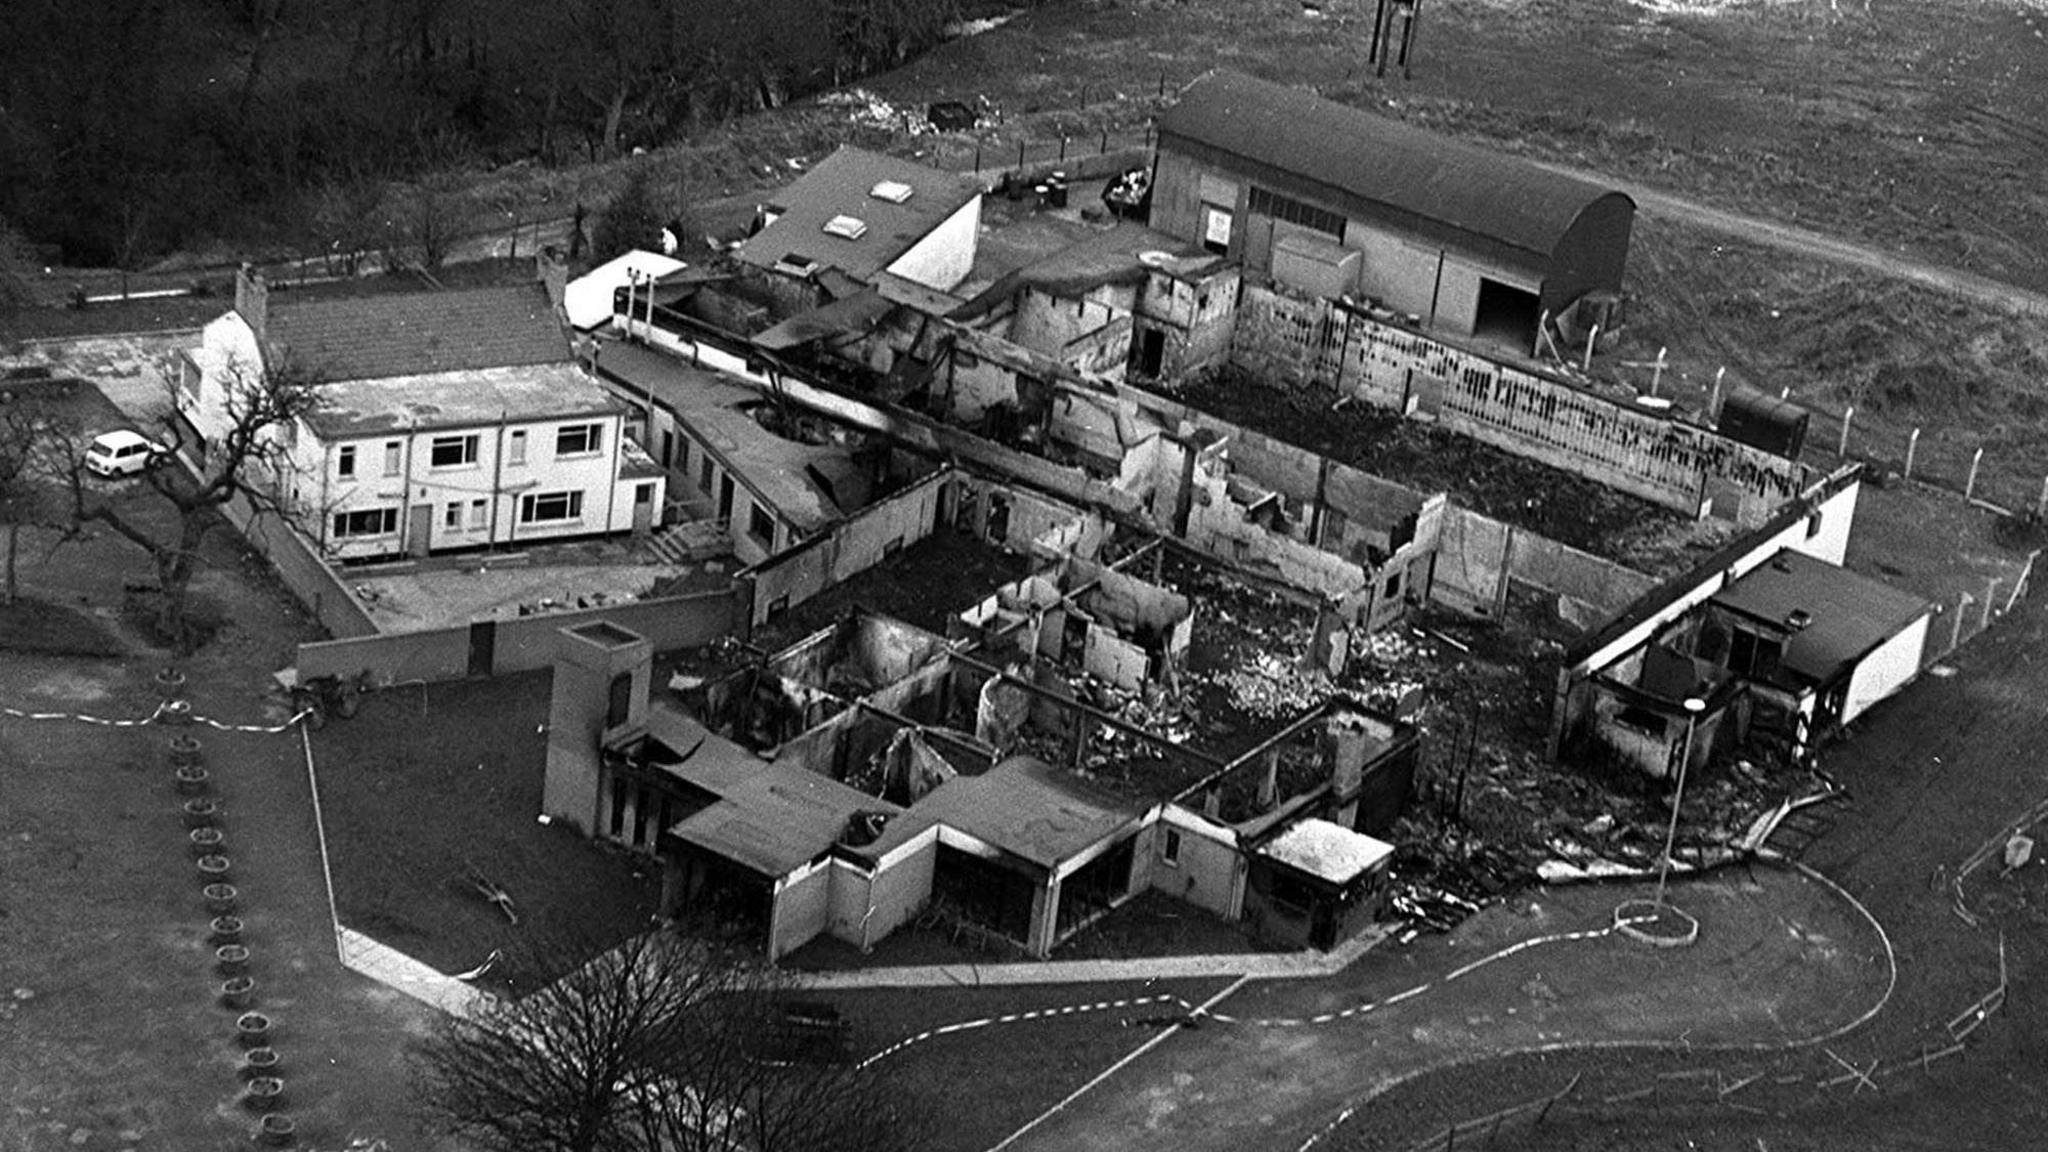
(1506, 315)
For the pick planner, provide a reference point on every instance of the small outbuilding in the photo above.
(1316, 884)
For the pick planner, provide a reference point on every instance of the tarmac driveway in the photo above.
(1781, 959)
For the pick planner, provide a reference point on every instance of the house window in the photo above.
(547, 507)
(1754, 656)
(1216, 229)
(453, 452)
(761, 526)
(516, 454)
(1393, 586)
(682, 455)
(451, 517)
(394, 453)
(704, 474)
(370, 522)
(579, 439)
(1169, 849)
(478, 514)
(1813, 524)
(345, 465)
(643, 494)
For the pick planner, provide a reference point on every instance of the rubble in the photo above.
(869, 110)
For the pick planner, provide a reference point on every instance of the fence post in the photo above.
(1955, 636)
(1063, 148)
(1020, 157)
(977, 157)
(1105, 143)
(2041, 505)
(1162, 84)
(1990, 600)
(1912, 446)
(1083, 105)
(1848, 414)
(1970, 485)
(1592, 338)
(1714, 398)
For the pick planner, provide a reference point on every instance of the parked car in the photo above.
(122, 453)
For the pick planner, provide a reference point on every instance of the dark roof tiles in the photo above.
(416, 334)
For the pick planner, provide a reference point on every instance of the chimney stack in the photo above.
(252, 301)
(551, 268)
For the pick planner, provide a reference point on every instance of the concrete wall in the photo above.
(867, 907)
(1327, 346)
(1478, 553)
(526, 643)
(318, 588)
(1210, 871)
(851, 547)
(1886, 670)
(803, 902)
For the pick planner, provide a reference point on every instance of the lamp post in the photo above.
(1693, 707)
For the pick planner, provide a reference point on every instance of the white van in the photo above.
(122, 453)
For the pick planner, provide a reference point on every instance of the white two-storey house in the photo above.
(445, 420)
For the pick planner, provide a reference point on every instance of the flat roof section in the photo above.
(1023, 806)
(1326, 851)
(1836, 616)
(468, 398)
(712, 405)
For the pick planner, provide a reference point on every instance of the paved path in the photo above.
(1256, 965)
(399, 972)
(1781, 960)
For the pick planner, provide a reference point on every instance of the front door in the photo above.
(421, 529)
(643, 508)
(483, 644)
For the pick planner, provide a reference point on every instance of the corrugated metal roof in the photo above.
(419, 333)
(1847, 615)
(1383, 161)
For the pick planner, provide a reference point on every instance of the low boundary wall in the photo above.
(316, 584)
(526, 643)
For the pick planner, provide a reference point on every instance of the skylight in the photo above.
(894, 191)
(846, 227)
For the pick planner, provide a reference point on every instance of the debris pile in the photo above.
(1271, 687)
(869, 110)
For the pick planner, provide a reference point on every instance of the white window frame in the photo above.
(466, 445)
(516, 453)
(531, 504)
(592, 435)
(479, 515)
(394, 457)
(386, 518)
(451, 516)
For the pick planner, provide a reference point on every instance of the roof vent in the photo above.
(1798, 618)
(894, 191)
(846, 227)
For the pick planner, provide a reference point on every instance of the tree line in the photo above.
(132, 129)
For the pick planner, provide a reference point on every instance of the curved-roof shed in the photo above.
(1436, 183)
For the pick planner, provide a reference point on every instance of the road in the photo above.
(1803, 242)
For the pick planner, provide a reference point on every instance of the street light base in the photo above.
(1660, 926)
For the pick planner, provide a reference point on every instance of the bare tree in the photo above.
(654, 1046)
(31, 441)
(248, 458)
